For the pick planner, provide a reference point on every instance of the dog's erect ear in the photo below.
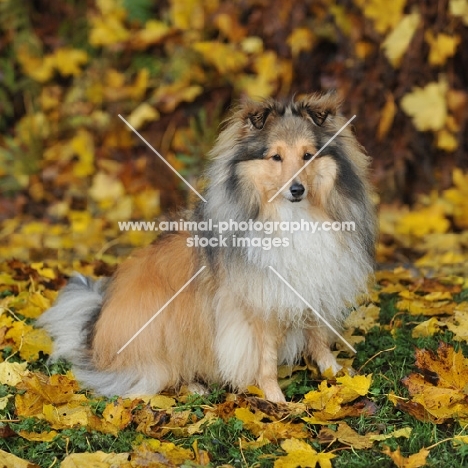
(258, 118)
(318, 117)
(319, 108)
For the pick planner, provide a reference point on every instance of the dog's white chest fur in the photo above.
(327, 268)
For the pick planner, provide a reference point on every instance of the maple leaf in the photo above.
(347, 436)
(226, 58)
(413, 461)
(29, 341)
(442, 46)
(427, 106)
(385, 15)
(440, 390)
(107, 28)
(330, 400)
(299, 453)
(68, 61)
(364, 318)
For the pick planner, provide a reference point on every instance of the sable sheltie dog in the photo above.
(237, 320)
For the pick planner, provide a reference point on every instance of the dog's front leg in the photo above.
(267, 336)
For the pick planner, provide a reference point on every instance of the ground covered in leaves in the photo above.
(406, 407)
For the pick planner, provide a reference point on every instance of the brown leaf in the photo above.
(346, 435)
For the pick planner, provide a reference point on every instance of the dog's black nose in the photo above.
(297, 190)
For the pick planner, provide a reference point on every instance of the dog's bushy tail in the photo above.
(71, 318)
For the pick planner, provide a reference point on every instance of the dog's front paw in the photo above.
(273, 393)
(198, 388)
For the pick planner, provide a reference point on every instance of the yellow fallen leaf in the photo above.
(423, 221)
(39, 68)
(9, 460)
(4, 401)
(387, 115)
(226, 58)
(106, 188)
(252, 45)
(352, 387)
(168, 97)
(35, 304)
(363, 318)
(446, 140)
(346, 435)
(82, 145)
(118, 414)
(11, 373)
(43, 271)
(460, 439)
(153, 33)
(438, 296)
(299, 453)
(230, 27)
(427, 106)
(459, 8)
(458, 325)
(29, 340)
(188, 14)
(142, 114)
(396, 43)
(442, 47)
(68, 61)
(107, 31)
(162, 402)
(96, 460)
(38, 437)
(150, 451)
(427, 328)
(413, 461)
(403, 432)
(256, 391)
(385, 15)
(66, 416)
(300, 40)
(270, 70)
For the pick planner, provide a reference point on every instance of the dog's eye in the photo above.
(307, 157)
(276, 157)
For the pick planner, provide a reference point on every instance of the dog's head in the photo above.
(290, 152)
